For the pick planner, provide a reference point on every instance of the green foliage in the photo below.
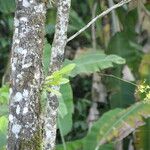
(123, 45)
(3, 132)
(116, 125)
(76, 23)
(128, 20)
(123, 96)
(5, 6)
(141, 137)
(50, 21)
(4, 94)
(46, 56)
(74, 145)
(57, 78)
(67, 102)
(94, 61)
(113, 125)
(78, 145)
(99, 129)
(3, 110)
(144, 67)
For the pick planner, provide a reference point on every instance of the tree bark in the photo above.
(25, 131)
(57, 57)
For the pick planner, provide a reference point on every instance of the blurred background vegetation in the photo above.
(124, 32)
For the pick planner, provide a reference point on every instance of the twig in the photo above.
(97, 17)
(110, 75)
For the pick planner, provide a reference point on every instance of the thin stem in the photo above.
(110, 75)
(97, 17)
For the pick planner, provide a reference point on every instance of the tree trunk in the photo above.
(25, 131)
(57, 57)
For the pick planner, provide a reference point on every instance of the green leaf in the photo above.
(7, 6)
(56, 79)
(122, 44)
(50, 28)
(62, 109)
(116, 125)
(115, 59)
(64, 81)
(65, 70)
(46, 56)
(99, 128)
(128, 19)
(3, 124)
(91, 62)
(123, 95)
(74, 145)
(3, 110)
(66, 120)
(78, 145)
(4, 94)
(3, 131)
(142, 135)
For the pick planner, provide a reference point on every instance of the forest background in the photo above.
(112, 64)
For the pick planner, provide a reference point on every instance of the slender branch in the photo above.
(57, 57)
(110, 75)
(97, 17)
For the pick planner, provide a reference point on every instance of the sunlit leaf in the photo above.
(116, 125)
(92, 62)
(3, 131)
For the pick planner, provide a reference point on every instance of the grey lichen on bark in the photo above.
(57, 57)
(25, 129)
